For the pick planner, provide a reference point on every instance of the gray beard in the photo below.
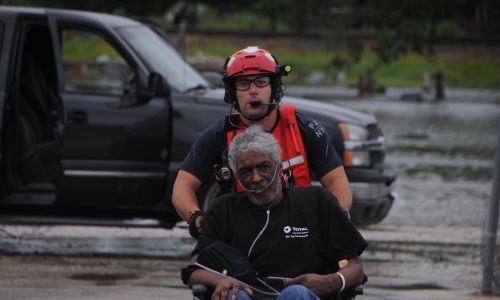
(266, 197)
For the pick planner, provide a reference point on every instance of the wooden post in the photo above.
(492, 225)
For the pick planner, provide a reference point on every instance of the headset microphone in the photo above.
(256, 103)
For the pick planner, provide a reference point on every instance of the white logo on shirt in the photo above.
(317, 128)
(295, 232)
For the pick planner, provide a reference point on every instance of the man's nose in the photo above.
(253, 87)
(256, 176)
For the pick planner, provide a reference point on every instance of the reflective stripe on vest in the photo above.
(293, 154)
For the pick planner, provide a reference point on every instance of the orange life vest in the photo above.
(293, 154)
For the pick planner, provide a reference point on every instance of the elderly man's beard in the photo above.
(267, 196)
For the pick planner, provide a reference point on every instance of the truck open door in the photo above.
(115, 143)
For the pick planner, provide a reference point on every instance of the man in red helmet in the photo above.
(254, 88)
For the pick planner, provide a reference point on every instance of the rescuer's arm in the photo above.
(336, 182)
(184, 194)
(324, 161)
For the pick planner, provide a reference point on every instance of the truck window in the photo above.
(92, 65)
(162, 58)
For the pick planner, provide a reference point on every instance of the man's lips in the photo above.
(258, 189)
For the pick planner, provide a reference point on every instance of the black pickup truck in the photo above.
(97, 112)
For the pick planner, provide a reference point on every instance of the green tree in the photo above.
(405, 26)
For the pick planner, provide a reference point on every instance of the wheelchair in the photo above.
(202, 292)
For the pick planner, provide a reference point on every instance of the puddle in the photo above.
(104, 278)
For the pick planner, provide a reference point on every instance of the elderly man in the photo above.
(295, 234)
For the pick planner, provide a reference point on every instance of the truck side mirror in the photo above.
(157, 86)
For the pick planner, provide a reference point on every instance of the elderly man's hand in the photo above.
(320, 285)
(229, 284)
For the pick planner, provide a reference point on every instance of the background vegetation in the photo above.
(401, 41)
(468, 70)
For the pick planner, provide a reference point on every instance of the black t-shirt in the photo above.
(307, 232)
(208, 148)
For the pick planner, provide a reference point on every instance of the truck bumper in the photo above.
(371, 202)
(373, 195)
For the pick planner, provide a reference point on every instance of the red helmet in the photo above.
(251, 61)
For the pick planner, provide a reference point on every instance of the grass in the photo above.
(467, 72)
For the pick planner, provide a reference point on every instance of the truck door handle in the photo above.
(78, 116)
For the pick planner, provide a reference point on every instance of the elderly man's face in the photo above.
(259, 175)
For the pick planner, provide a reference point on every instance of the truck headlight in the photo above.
(355, 138)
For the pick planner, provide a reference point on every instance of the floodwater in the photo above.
(444, 154)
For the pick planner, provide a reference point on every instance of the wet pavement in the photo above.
(428, 247)
(84, 278)
(402, 262)
(55, 262)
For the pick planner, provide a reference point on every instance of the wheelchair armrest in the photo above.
(357, 290)
(351, 293)
(200, 292)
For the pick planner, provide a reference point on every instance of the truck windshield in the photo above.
(163, 58)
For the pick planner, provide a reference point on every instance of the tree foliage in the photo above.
(415, 26)
(395, 26)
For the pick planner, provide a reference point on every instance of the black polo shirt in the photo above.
(307, 232)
